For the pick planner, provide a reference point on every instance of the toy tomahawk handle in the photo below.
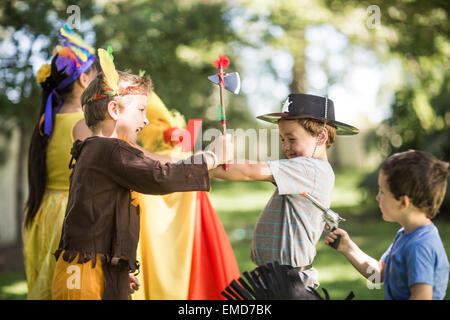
(222, 103)
(229, 81)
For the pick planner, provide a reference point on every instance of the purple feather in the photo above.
(66, 64)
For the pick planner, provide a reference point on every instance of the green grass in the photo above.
(238, 205)
(13, 286)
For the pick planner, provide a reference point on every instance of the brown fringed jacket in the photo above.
(100, 217)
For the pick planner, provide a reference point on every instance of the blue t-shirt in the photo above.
(415, 257)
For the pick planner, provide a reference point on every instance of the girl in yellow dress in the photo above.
(61, 122)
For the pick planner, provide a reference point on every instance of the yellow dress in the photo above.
(41, 239)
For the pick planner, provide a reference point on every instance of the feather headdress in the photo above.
(74, 57)
(110, 75)
(111, 78)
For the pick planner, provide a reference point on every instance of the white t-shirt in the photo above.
(290, 225)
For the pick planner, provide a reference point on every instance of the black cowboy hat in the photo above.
(307, 106)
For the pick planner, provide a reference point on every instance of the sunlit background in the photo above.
(387, 71)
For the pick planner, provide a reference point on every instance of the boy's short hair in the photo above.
(315, 128)
(95, 111)
(418, 175)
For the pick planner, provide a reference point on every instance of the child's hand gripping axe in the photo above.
(229, 81)
(331, 218)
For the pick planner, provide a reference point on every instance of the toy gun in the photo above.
(330, 217)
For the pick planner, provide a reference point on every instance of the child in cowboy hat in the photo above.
(290, 226)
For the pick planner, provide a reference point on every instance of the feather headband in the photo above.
(111, 78)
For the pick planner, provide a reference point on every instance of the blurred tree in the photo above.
(282, 25)
(27, 33)
(175, 42)
(294, 17)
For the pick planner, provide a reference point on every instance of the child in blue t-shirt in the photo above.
(412, 187)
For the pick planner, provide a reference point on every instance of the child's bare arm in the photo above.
(365, 264)
(421, 291)
(248, 171)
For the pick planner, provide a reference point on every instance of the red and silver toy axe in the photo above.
(229, 81)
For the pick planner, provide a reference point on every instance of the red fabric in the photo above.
(193, 127)
(214, 265)
(174, 136)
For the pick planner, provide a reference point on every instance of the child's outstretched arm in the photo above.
(421, 291)
(365, 264)
(248, 171)
(157, 157)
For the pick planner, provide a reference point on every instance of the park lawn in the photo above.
(13, 286)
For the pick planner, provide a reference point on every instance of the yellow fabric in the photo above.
(58, 150)
(74, 281)
(167, 222)
(165, 246)
(160, 119)
(40, 241)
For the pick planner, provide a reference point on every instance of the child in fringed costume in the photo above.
(184, 250)
(60, 123)
(97, 252)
